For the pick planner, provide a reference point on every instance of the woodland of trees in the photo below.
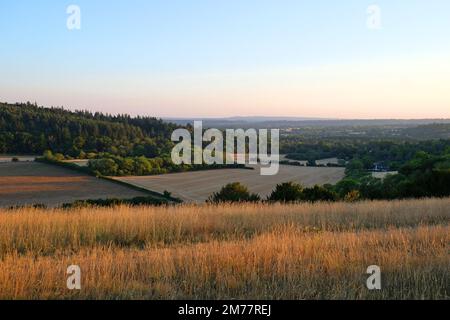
(122, 145)
(29, 129)
(115, 145)
(425, 175)
(392, 154)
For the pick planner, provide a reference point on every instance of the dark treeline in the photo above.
(422, 177)
(138, 201)
(115, 145)
(390, 154)
(29, 129)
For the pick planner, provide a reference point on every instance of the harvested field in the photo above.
(37, 183)
(80, 163)
(325, 162)
(197, 186)
(382, 175)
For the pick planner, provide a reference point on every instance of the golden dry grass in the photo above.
(253, 251)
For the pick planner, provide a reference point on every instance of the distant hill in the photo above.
(30, 129)
(298, 122)
(26, 128)
(429, 131)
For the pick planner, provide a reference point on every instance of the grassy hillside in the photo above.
(254, 251)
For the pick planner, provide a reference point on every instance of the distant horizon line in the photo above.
(257, 118)
(296, 118)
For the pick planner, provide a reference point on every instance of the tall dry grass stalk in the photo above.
(245, 251)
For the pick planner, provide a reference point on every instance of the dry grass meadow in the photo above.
(255, 251)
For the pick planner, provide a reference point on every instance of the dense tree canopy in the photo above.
(233, 192)
(424, 176)
(391, 154)
(29, 129)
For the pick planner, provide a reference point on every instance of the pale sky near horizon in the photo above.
(216, 58)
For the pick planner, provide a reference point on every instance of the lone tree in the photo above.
(233, 192)
(287, 192)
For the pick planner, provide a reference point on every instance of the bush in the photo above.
(48, 155)
(346, 185)
(113, 202)
(233, 192)
(318, 193)
(167, 194)
(106, 167)
(287, 192)
(293, 192)
(352, 196)
(59, 157)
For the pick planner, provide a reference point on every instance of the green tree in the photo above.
(106, 167)
(142, 166)
(355, 165)
(233, 192)
(318, 193)
(48, 155)
(287, 192)
(345, 186)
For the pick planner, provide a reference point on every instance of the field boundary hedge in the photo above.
(85, 170)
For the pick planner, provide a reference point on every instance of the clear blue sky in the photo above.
(225, 58)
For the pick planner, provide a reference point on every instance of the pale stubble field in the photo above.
(198, 186)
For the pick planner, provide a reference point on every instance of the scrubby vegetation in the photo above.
(233, 192)
(138, 201)
(293, 192)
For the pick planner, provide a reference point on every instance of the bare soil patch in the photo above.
(28, 183)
